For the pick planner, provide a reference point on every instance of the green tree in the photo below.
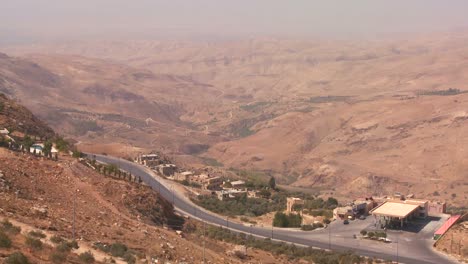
(280, 220)
(265, 193)
(47, 148)
(27, 143)
(332, 202)
(272, 183)
(62, 144)
(290, 220)
(294, 220)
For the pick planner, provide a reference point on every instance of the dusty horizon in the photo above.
(26, 21)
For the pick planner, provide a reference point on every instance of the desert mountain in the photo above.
(90, 98)
(16, 118)
(384, 115)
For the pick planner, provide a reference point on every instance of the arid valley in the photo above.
(386, 114)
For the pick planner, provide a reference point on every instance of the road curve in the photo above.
(417, 252)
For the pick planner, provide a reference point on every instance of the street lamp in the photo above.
(272, 231)
(398, 242)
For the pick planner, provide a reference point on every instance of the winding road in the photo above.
(410, 248)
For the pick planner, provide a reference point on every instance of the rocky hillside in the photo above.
(46, 204)
(16, 117)
(94, 100)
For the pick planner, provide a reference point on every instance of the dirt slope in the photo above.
(16, 117)
(41, 195)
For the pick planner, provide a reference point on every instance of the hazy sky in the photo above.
(229, 17)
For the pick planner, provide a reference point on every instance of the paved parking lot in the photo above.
(337, 228)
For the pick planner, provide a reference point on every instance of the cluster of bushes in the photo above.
(86, 257)
(62, 249)
(319, 203)
(17, 258)
(450, 91)
(372, 235)
(6, 229)
(117, 250)
(287, 220)
(81, 127)
(311, 227)
(33, 243)
(5, 241)
(290, 250)
(77, 154)
(242, 205)
(327, 99)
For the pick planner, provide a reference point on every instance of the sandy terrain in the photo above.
(455, 243)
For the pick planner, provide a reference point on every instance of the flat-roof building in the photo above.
(208, 182)
(183, 176)
(230, 194)
(343, 212)
(167, 169)
(396, 211)
(149, 160)
(238, 184)
(4, 131)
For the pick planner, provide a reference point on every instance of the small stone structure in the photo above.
(291, 201)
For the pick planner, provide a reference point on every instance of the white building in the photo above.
(37, 149)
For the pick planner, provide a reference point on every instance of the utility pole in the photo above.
(204, 258)
(451, 244)
(459, 247)
(74, 211)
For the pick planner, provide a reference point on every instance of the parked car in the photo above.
(362, 217)
(346, 222)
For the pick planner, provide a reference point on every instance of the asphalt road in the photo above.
(337, 238)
